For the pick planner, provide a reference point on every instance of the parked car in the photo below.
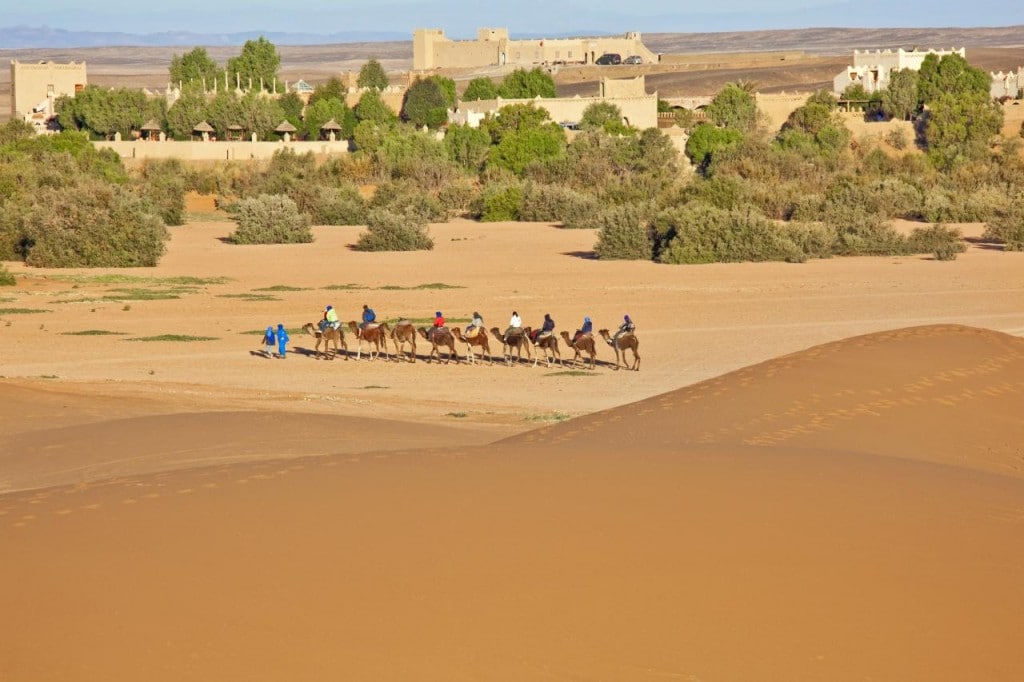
(633, 59)
(609, 58)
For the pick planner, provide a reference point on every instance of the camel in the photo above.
(627, 341)
(375, 337)
(548, 345)
(582, 344)
(516, 341)
(403, 333)
(479, 340)
(440, 337)
(327, 337)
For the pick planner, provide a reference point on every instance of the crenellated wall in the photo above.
(493, 47)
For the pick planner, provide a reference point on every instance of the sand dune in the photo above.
(942, 393)
(698, 535)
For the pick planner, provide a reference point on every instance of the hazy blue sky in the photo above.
(460, 18)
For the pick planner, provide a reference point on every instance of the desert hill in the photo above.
(686, 549)
(941, 393)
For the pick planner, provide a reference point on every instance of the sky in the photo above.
(459, 19)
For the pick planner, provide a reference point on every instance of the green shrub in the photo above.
(388, 230)
(330, 205)
(896, 138)
(624, 233)
(1008, 225)
(814, 240)
(554, 203)
(458, 197)
(162, 184)
(270, 219)
(704, 234)
(944, 242)
(92, 224)
(501, 202)
(404, 197)
(860, 233)
(6, 277)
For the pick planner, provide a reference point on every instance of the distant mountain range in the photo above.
(697, 37)
(44, 37)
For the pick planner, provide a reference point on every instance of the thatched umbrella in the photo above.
(285, 128)
(331, 126)
(235, 131)
(202, 127)
(150, 128)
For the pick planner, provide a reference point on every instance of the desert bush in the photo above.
(1008, 225)
(814, 240)
(624, 233)
(333, 205)
(501, 202)
(860, 233)
(6, 277)
(720, 191)
(699, 233)
(390, 230)
(941, 241)
(270, 219)
(897, 139)
(92, 224)
(554, 203)
(405, 197)
(162, 184)
(457, 198)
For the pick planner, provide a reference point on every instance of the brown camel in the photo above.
(584, 343)
(627, 341)
(548, 345)
(518, 341)
(327, 337)
(375, 337)
(404, 333)
(479, 340)
(440, 337)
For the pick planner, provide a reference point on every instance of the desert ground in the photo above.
(816, 472)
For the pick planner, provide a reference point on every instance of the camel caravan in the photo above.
(332, 339)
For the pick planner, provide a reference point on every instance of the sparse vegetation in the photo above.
(270, 219)
(94, 332)
(177, 338)
(6, 277)
(21, 311)
(388, 230)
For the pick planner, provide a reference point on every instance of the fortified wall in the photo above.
(493, 47)
(35, 87)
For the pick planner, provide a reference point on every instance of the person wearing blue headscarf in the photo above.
(282, 341)
(587, 328)
(269, 341)
(626, 327)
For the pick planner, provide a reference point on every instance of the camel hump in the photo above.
(403, 323)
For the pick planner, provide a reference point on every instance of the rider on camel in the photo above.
(438, 320)
(475, 326)
(585, 330)
(626, 327)
(369, 317)
(515, 327)
(547, 329)
(330, 319)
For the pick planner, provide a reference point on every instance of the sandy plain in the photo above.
(817, 472)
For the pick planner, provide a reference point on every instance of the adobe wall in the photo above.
(217, 151)
(776, 108)
(33, 84)
(639, 112)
